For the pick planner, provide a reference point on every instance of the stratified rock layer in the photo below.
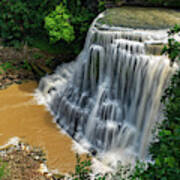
(109, 98)
(139, 17)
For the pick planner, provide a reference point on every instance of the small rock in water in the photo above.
(93, 151)
(51, 89)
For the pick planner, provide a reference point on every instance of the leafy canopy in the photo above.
(58, 26)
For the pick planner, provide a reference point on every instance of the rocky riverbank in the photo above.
(24, 162)
(27, 63)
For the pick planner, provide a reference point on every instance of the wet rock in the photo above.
(21, 163)
(154, 49)
(51, 89)
(10, 77)
(93, 151)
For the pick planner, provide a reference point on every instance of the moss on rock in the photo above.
(141, 17)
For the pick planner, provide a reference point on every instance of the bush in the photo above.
(162, 3)
(3, 170)
(20, 19)
(166, 3)
(83, 170)
(58, 26)
(70, 22)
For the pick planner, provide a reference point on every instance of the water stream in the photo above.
(109, 98)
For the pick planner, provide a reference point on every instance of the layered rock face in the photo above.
(141, 18)
(109, 98)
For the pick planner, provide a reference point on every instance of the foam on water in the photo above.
(109, 98)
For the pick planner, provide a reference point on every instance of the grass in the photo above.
(5, 66)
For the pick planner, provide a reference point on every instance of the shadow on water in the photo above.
(28, 86)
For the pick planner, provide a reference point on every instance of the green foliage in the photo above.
(7, 65)
(44, 45)
(162, 3)
(83, 170)
(101, 5)
(26, 65)
(2, 168)
(58, 26)
(166, 3)
(173, 47)
(122, 172)
(70, 22)
(48, 61)
(20, 19)
(38, 55)
(3, 171)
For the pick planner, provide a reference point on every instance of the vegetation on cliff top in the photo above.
(154, 3)
(21, 22)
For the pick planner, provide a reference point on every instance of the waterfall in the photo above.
(110, 96)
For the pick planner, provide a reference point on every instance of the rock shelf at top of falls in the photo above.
(141, 17)
(109, 98)
(139, 20)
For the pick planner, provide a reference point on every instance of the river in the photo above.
(21, 116)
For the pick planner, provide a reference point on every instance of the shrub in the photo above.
(166, 3)
(173, 47)
(70, 22)
(163, 3)
(3, 170)
(20, 19)
(83, 170)
(58, 26)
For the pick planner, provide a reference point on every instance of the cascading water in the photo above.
(110, 96)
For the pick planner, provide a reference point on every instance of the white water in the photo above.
(109, 98)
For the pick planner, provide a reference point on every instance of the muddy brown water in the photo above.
(21, 116)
